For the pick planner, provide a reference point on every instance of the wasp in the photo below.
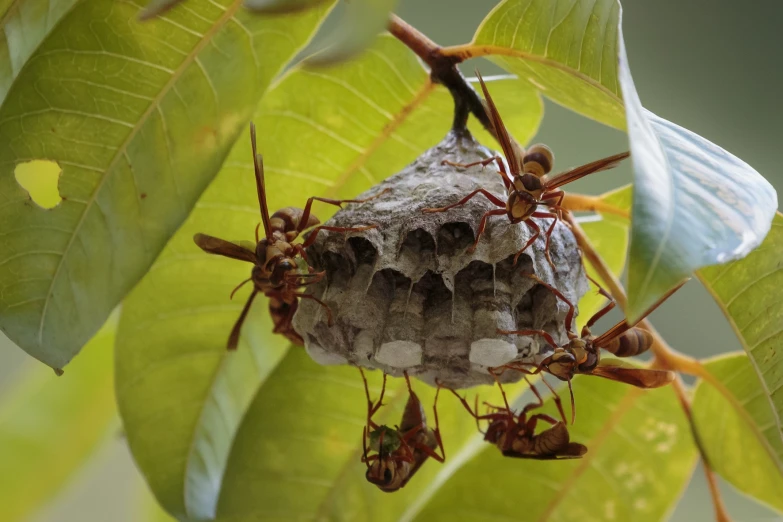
(582, 353)
(280, 268)
(399, 452)
(528, 186)
(515, 435)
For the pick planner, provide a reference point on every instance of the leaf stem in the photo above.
(587, 203)
(721, 513)
(665, 357)
(443, 70)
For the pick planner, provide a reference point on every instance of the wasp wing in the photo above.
(627, 373)
(623, 326)
(221, 247)
(512, 152)
(574, 450)
(558, 180)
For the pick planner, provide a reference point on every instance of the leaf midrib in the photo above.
(121, 150)
(595, 444)
(474, 50)
(399, 118)
(729, 396)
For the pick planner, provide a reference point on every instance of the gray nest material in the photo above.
(407, 296)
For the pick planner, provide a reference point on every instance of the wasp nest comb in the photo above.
(408, 296)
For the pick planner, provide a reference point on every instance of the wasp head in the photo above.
(388, 474)
(562, 364)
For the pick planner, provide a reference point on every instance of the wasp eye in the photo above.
(387, 476)
(563, 358)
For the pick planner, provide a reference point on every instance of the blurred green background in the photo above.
(712, 66)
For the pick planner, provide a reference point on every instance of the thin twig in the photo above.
(721, 513)
(443, 70)
(665, 357)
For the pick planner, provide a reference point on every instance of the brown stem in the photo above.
(665, 357)
(721, 513)
(443, 70)
(586, 203)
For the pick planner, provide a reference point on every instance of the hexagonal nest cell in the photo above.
(407, 296)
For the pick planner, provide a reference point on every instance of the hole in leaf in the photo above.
(39, 179)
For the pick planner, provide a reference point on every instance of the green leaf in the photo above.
(139, 117)
(182, 397)
(50, 425)
(280, 6)
(304, 430)
(640, 456)
(738, 431)
(156, 8)
(609, 236)
(23, 25)
(360, 23)
(567, 49)
(748, 293)
(694, 203)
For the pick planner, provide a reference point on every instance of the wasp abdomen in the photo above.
(282, 313)
(288, 218)
(548, 442)
(633, 342)
(538, 160)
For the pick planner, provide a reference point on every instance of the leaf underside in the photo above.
(748, 293)
(567, 49)
(738, 429)
(695, 204)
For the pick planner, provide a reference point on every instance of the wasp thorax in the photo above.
(385, 440)
(411, 296)
(538, 160)
(528, 183)
(498, 432)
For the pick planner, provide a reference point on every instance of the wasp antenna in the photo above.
(240, 285)
(258, 164)
(573, 405)
(233, 338)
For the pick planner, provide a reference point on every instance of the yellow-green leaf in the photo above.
(23, 25)
(640, 456)
(695, 204)
(738, 431)
(139, 117)
(609, 236)
(50, 425)
(748, 293)
(360, 23)
(329, 131)
(567, 49)
(280, 6)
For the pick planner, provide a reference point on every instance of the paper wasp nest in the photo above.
(408, 296)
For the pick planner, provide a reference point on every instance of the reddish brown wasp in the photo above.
(527, 186)
(280, 268)
(399, 452)
(582, 353)
(515, 434)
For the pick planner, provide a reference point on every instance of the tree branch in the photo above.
(443, 70)
(665, 357)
